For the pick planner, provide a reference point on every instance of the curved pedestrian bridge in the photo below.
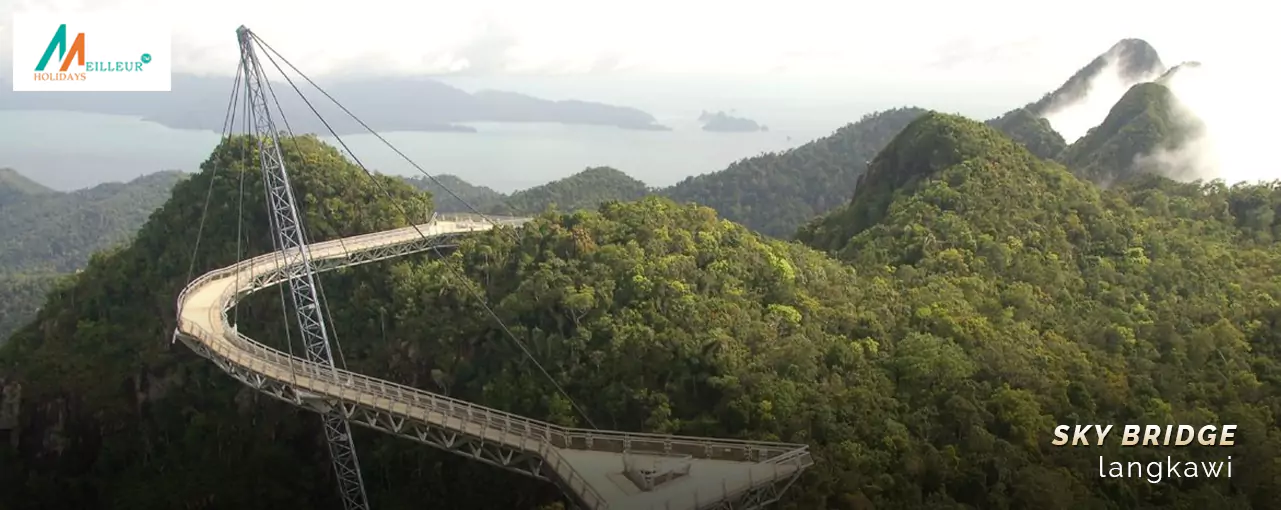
(597, 469)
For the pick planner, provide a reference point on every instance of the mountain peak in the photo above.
(1141, 123)
(14, 186)
(586, 189)
(929, 146)
(1135, 59)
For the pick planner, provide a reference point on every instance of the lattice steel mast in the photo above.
(289, 239)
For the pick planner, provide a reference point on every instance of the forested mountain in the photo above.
(456, 194)
(21, 294)
(1006, 296)
(45, 234)
(1142, 123)
(979, 295)
(14, 186)
(583, 190)
(58, 231)
(1031, 131)
(772, 193)
(1134, 60)
(777, 192)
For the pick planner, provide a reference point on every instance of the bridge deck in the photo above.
(587, 462)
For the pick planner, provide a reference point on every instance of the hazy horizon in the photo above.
(801, 69)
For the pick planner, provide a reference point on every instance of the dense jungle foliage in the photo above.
(1031, 131)
(15, 186)
(45, 234)
(1021, 297)
(961, 296)
(20, 296)
(52, 231)
(775, 193)
(454, 195)
(791, 187)
(583, 190)
(977, 295)
(1145, 122)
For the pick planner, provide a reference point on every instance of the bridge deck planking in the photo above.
(580, 465)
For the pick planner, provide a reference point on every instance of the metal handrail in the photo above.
(352, 386)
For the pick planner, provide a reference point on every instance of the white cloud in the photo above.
(1232, 100)
(987, 39)
(1075, 119)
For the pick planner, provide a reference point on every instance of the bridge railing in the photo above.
(482, 218)
(512, 430)
(407, 400)
(565, 437)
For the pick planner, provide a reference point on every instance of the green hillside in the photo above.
(977, 296)
(1020, 297)
(1140, 124)
(1133, 59)
(57, 232)
(583, 190)
(15, 186)
(143, 424)
(772, 193)
(1033, 132)
(775, 193)
(454, 195)
(45, 234)
(21, 295)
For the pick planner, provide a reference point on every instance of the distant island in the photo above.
(385, 104)
(723, 122)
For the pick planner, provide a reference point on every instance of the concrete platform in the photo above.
(707, 483)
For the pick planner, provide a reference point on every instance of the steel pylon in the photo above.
(290, 241)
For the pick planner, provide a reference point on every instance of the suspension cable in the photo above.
(204, 213)
(324, 302)
(362, 124)
(240, 196)
(378, 184)
(250, 141)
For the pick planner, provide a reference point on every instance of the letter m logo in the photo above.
(59, 43)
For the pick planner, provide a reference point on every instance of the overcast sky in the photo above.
(808, 58)
(977, 40)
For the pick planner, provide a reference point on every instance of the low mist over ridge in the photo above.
(1233, 105)
(1210, 114)
(1085, 99)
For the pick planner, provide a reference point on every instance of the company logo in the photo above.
(93, 54)
(59, 43)
(77, 53)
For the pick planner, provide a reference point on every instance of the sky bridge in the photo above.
(596, 469)
(666, 472)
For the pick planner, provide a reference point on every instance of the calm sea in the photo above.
(66, 150)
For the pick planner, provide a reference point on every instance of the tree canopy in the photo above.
(45, 234)
(775, 193)
(1144, 122)
(924, 340)
(583, 190)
